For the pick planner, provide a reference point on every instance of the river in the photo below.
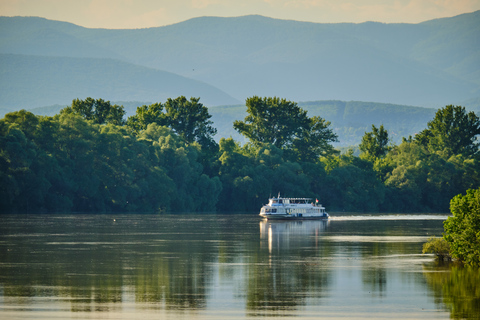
(228, 266)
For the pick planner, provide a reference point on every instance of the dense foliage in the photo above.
(284, 125)
(187, 118)
(438, 246)
(67, 163)
(462, 230)
(164, 158)
(99, 111)
(375, 144)
(453, 131)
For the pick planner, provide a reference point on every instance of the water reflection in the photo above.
(286, 234)
(89, 262)
(457, 288)
(284, 272)
(228, 265)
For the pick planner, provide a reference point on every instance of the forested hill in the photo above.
(431, 64)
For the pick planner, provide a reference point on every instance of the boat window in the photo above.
(280, 201)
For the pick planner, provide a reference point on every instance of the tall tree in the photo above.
(462, 230)
(286, 126)
(375, 143)
(314, 141)
(272, 120)
(190, 119)
(452, 131)
(99, 111)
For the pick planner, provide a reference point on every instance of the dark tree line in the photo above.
(164, 158)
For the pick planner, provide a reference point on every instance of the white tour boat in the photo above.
(293, 208)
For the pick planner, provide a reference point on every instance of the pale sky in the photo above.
(130, 14)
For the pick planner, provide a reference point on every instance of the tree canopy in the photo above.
(145, 115)
(66, 163)
(159, 161)
(453, 131)
(375, 143)
(462, 230)
(284, 125)
(99, 111)
(188, 118)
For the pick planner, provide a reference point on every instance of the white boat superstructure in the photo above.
(293, 208)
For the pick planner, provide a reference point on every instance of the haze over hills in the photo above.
(36, 81)
(431, 64)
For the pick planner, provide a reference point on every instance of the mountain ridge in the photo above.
(400, 63)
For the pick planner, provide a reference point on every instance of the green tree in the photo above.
(190, 119)
(25, 169)
(24, 120)
(453, 131)
(462, 230)
(418, 180)
(314, 141)
(146, 115)
(194, 190)
(286, 126)
(98, 111)
(272, 120)
(375, 143)
(352, 184)
(238, 176)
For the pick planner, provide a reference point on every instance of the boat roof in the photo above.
(291, 198)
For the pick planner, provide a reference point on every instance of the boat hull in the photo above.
(293, 217)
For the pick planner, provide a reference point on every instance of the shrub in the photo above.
(438, 246)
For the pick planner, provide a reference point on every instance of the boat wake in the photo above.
(389, 217)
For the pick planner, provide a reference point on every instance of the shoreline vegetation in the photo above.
(89, 158)
(461, 237)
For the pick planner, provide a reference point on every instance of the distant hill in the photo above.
(35, 81)
(431, 64)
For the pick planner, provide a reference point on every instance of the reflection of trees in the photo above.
(375, 279)
(374, 276)
(380, 239)
(90, 263)
(286, 268)
(457, 288)
(179, 282)
(33, 267)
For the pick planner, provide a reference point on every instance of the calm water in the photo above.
(215, 266)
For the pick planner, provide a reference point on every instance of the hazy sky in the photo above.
(150, 13)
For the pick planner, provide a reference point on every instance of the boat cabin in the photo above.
(288, 201)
